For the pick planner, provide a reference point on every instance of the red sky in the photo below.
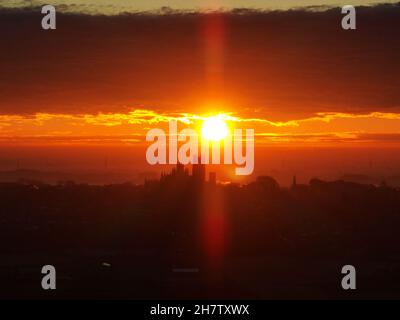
(294, 76)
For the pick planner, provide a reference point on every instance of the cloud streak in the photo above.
(131, 127)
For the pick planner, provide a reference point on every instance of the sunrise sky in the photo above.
(294, 76)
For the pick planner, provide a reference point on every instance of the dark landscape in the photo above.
(147, 241)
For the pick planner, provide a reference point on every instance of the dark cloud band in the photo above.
(273, 63)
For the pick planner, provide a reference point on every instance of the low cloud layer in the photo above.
(131, 128)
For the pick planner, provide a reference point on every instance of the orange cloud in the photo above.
(132, 126)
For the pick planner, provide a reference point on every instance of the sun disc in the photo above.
(214, 128)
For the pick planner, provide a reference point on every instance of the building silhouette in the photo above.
(199, 171)
(180, 175)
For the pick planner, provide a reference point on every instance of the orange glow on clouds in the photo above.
(131, 127)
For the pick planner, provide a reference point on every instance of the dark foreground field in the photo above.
(178, 238)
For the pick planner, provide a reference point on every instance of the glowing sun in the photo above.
(214, 128)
